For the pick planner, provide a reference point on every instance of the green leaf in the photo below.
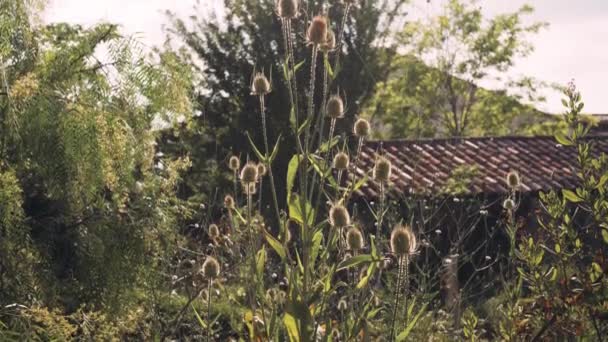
(328, 67)
(292, 170)
(295, 209)
(276, 245)
(298, 66)
(371, 269)
(198, 318)
(275, 151)
(405, 333)
(291, 326)
(571, 196)
(355, 261)
(316, 246)
(563, 139)
(255, 149)
(558, 248)
(260, 262)
(605, 234)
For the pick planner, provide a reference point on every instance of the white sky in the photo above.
(575, 46)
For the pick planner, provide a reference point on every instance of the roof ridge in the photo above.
(454, 139)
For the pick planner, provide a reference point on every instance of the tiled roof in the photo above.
(426, 166)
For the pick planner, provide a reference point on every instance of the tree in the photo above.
(435, 85)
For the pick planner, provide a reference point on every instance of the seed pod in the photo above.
(260, 85)
(403, 240)
(249, 173)
(508, 204)
(287, 9)
(382, 170)
(234, 163)
(317, 31)
(214, 231)
(341, 161)
(339, 216)
(229, 202)
(211, 268)
(513, 180)
(354, 239)
(361, 128)
(335, 107)
(330, 42)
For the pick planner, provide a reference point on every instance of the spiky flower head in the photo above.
(339, 216)
(341, 161)
(262, 170)
(317, 31)
(229, 202)
(354, 239)
(508, 204)
(260, 85)
(513, 180)
(234, 163)
(330, 42)
(403, 241)
(214, 231)
(287, 9)
(382, 170)
(335, 107)
(361, 128)
(211, 268)
(249, 173)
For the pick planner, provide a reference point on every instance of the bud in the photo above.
(335, 107)
(214, 231)
(260, 85)
(341, 161)
(382, 170)
(287, 9)
(234, 163)
(249, 173)
(317, 31)
(261, 170)
(354, 239)
(330, 42)
(229, 202)
(211, 268)
(508, 204)
(403, 241)
(339, 216)
(361, 128)
(513, 180)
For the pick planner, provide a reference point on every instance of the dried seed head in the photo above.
(229, 202)
(354, 239)
(508, 204)
(317, 31)
(335, 107)
(261, 85)
(249, 173)
(234, 163)
(382, 170)
(287, 9)
(339, 216)
(262, 170)
(403, 240)
(214, 231)
(513, 180)
(361, 128)
(330, 42)
(211, 268)
(341, 161)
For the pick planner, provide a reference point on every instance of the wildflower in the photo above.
(335, 107)
(382, 170)
(508, 204)
(361, 128)
(287, 9)
(354, 239)
(403, 241)
(513, 179)
(262, 170)
(317, 31)
(214, 231)
(330, 42)
(339, 216)
(341, 161)
(260, 85)
(342, 305)
(249, 173)
(229, 202)
(211, 268)
(234, 163)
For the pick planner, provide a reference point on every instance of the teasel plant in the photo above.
(403, 245)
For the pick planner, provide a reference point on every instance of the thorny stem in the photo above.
(381, 214)
(397, 295)
(209, 311)
(268, 164)
(252, 289)
(341, 35)
(234, 180)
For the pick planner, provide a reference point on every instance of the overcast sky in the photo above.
(575, 46)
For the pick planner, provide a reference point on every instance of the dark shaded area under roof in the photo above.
(422, 167)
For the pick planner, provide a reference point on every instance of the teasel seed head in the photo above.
(229, 202)
(403, 241)
(330, 42)
(262, 170)
(317, 31)
(341, 161)
(260, 85)
(361, 129)
(354, 239)
(249, 173)
(214, 231)
(211, 268)
(339, 216)
(287, 9)
(234, 163)
(508, 204)
(335, 107)
(513, 180)
(382, 170)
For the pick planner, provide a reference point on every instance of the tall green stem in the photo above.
(268, 164)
